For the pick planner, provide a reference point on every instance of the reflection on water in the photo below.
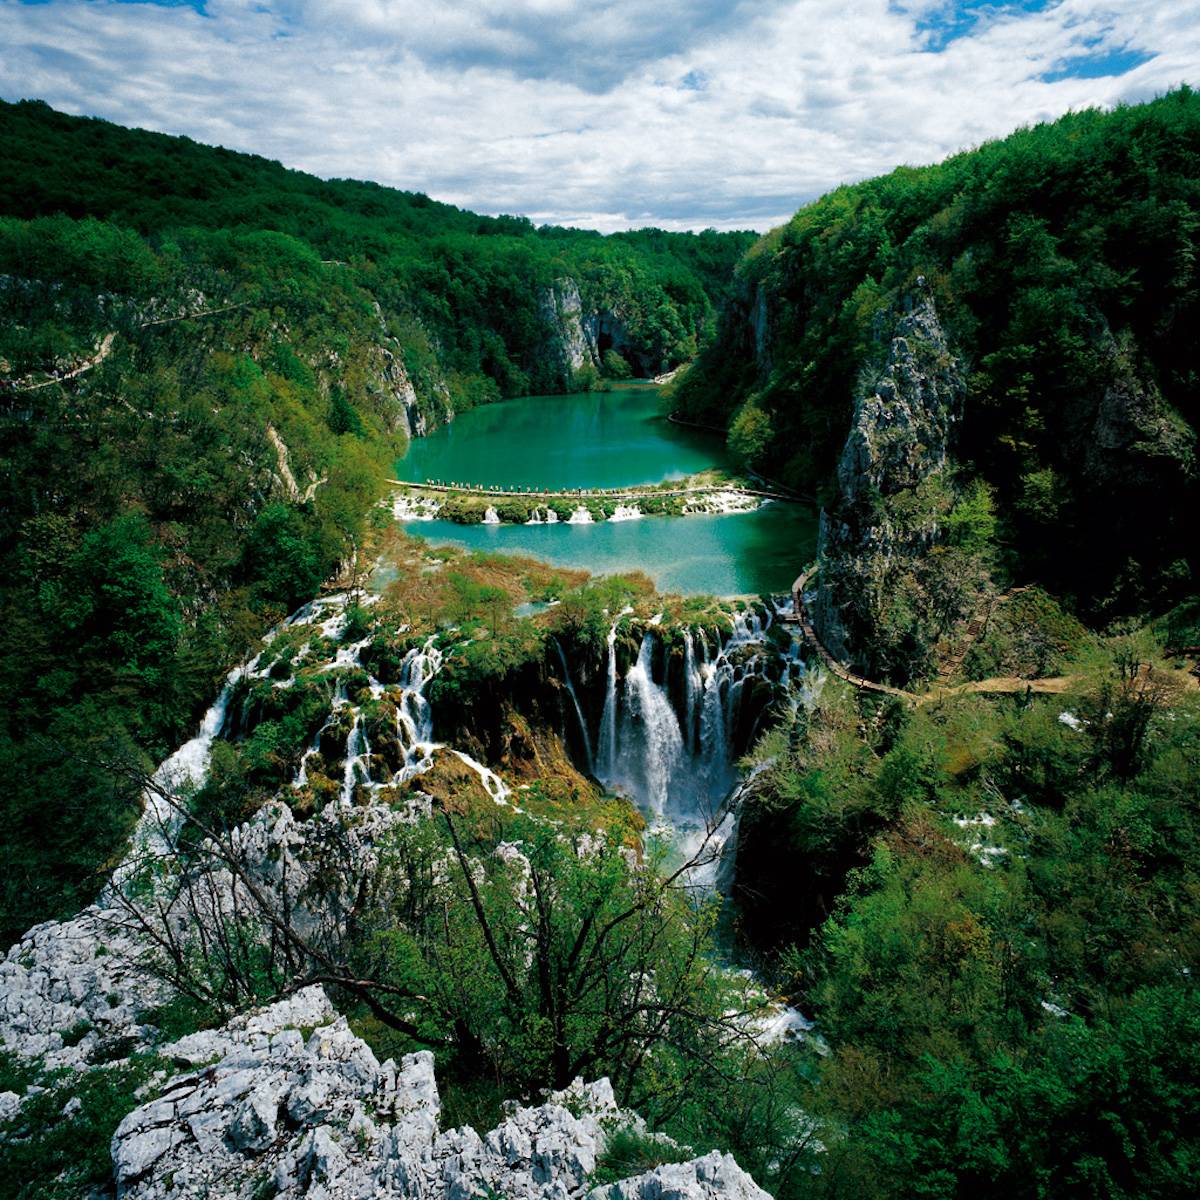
(750, 553)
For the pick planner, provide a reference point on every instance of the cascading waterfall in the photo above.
(693, 684)
(679, 764)
(652, 744)
(607, 759)
(414, 727)
(583, 729)
(685, 769)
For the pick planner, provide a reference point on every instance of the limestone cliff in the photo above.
(579, 333)
(875, 602)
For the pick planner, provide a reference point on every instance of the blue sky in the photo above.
(680, 113)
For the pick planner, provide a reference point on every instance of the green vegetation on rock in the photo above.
(1062, 262)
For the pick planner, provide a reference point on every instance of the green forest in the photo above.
(275, 337)
(1063, 264)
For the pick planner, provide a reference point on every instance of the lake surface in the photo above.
(610, 439)
(594, 439)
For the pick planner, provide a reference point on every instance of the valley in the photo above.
(441, 764)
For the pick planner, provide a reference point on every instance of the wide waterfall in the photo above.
(677, 759)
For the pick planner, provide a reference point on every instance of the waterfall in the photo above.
(713, 738)
(652, 744)
(693, 685)
(678, 760)
(583, 729)
(608, 719)
(177, 776)
(414, 714)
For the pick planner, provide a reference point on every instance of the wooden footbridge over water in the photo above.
(621, 495)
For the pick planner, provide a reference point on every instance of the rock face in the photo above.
(1135, 439)
(569, 345)
(889, 506)
(902, 425)
(70, 990)
(578, 337)
(287, 1102)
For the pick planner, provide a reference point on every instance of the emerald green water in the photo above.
(594, 439)
(610, 439)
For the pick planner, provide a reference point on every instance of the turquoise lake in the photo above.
(610, 439)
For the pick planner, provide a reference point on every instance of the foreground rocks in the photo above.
(80, 992)
(287, 1102)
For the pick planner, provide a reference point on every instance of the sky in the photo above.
(683, 114)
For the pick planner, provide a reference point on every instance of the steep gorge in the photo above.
(260, 344)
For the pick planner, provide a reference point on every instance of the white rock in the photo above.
(356, 1128)
(716, 1176)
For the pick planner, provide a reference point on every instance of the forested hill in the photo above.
(208, 364)
(1062, 265)
(479, 287)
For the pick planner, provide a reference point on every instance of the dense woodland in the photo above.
(148, 532)
(1063, 263)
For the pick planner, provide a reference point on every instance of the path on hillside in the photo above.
(951, 667)
(105, 349)
(997, 685)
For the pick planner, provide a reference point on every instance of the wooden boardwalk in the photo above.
(801, 617)
(618, 494)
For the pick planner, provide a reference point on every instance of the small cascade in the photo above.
(358, 753)
(583, 729)
(492, 783)
(607, 759)
(713, 738)
(626, 512)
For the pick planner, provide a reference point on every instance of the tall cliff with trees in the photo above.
(1062, 265)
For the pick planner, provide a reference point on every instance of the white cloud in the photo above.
(682, 114)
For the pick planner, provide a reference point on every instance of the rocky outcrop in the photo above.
(892, 497)
(708, 1178)
(764, 334)
(902, 425)
(287, 1102)
(578, 336)
(409, 414)
(570, 345)
(84, 990)
(285, 476)
(408, 411)
(1135, 439)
